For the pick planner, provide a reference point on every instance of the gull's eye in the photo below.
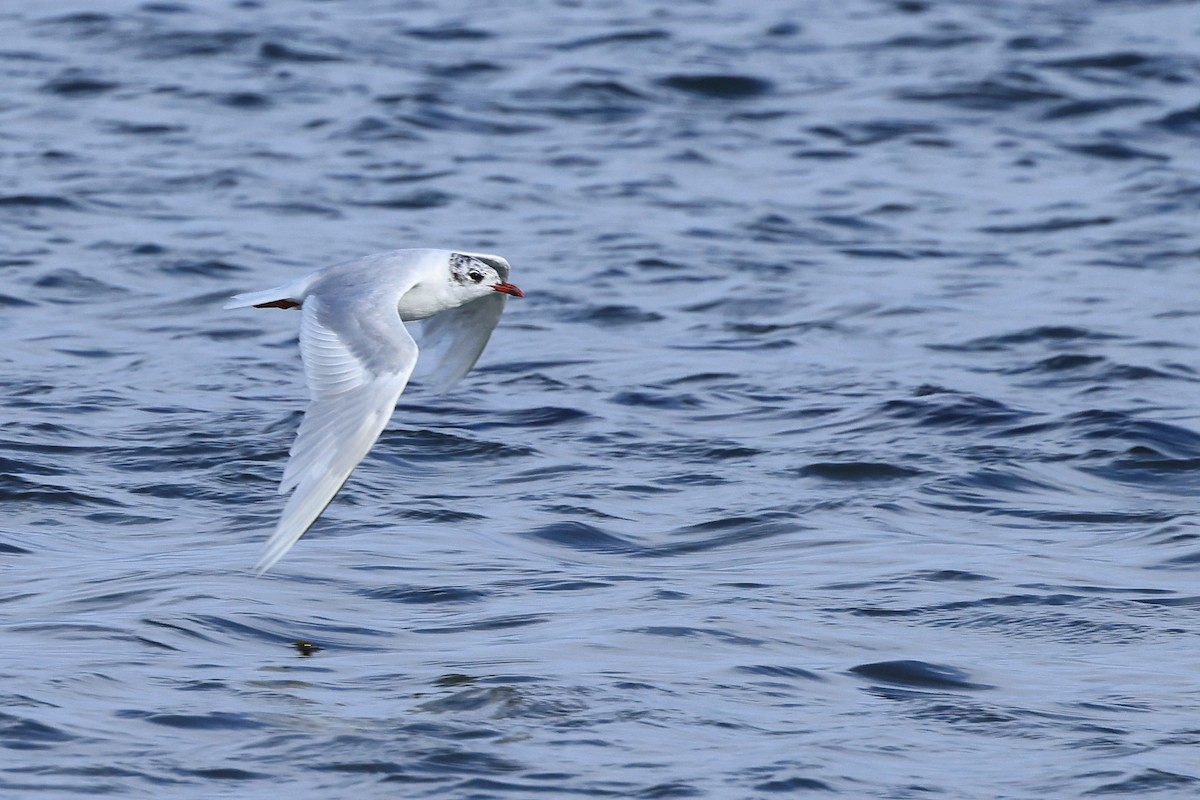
(475, 275)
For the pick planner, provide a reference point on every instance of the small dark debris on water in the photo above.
(305, 647)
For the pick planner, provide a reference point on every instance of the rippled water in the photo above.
(847, 440)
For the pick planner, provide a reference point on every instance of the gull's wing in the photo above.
(453, 340)
(357, 359)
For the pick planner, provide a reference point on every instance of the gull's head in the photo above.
(475, 275)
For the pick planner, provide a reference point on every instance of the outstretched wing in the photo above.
(453, 340)
(357, 359)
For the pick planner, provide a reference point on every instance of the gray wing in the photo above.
(357, 360)
(453, 340)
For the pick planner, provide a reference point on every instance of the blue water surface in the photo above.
(847, 441)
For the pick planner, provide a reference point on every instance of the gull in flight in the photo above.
(358, 357)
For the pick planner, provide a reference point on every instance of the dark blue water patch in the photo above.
(375, 129)
(246, 101)
(1089, 107)
(445, 516)
(121, 128)
(463, 69)
(165, 7)
(682, 479)
(1184, 123)
(160, 44)
(665, 791)
(21, 733)
(569, 586)
(539, 417)
(492, 624)
(857, 471)
(10, 466)
(1114, 151)
(728, 532)
(1145, 466)
(94, 772)
(509, 700)
(449, 33)
(918, 674)
(943, 40)
(775, 671)
(1186, 561)
(643, 489)
(8, 301)
(1171, 602)
(944, 575)
(891, 254)
(1046, 335)
(591, 101)
(862, 134)
(1053, 225)
(423, 595)
(632, 36)
(525, 368)
(582, 537)
(937, 408)
(1076, 370)
(454, 761)
(558, 785)
(793, 784)
(661, 264)
(212, 721)
(1061, 363)
(1128, 68)
(283, 633)
(776, 228)
(677, 631)
(729, 379)
(429, 117)
(84, 24)
(277, 51)
(718, 86)
(1147, 782)
(362, 768)
(20, 491)
(74, 84)
(423, 445)
(412, 201)
(818, 154)
(224, 774)
(1009, 91)
(614, 315)
(205, 268)
(643, 399)
(294, 209)
(38, 201)
(1161, 437)
(1002, 601)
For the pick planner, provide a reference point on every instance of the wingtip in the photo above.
(268, 559)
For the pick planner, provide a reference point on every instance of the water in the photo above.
(846, 442)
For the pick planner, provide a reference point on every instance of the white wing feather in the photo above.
(454, 339)
(357, 364)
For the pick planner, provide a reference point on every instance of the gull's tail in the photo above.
(289, 295)
(279, 297)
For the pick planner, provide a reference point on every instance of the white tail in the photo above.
(258, 298)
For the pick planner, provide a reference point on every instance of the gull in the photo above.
(358, 357)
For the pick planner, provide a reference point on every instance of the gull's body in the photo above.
(358, 357)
